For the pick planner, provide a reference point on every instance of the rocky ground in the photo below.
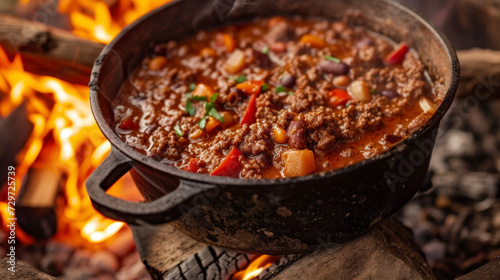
(457, 220)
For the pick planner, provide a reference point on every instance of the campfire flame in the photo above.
(80, 144)
(102, 20)
(255, 268)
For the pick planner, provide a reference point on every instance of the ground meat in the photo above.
(326, 143)
(166, 145)
(258, 139)
(252, 167)
(298, 105)
(296, 132)
(302, 100)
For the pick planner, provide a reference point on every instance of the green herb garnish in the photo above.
(203, 122)
(178, 131)
(280, 89)
(214, 113)
(214, 97)
(331, 58)
(291, 93)
(240, 79)
(191, 97)
(264, 87)
(192, 86)
(265, 50)
(189, 108)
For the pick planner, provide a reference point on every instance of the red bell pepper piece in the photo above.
(338, 97)
(397, 55)
(129, 124)
(249, 116)
(193, 165)
(250, 87)
(230, 166)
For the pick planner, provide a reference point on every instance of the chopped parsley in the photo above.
(265, 50)
(240, 79)
(214, 97)
(203, 122)
(189, 108)
(178, 131)
(192, 86)
(210, 110)
(264, 87)
(280, 89)
(191, 97)
(215, 114)
(331, 58)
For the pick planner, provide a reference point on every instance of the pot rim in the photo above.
(130, 152)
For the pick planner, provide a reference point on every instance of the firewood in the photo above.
(15, 130)
(49, 51)
(163, 247)
(489, 271)
(383, 253)
(22, 271)
(36, 202)
(479, 73)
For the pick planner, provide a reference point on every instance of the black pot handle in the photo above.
(160, 211)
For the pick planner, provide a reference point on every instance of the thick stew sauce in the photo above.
(274, 98)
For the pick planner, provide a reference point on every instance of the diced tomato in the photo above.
(230, 166)
(203, 90)
(313, 41)
(227, 41)
(128, 124)
(250, 87)
(339, 97)
(193, 165)
(249, 116)
(397, 55)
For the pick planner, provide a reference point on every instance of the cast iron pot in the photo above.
(265, 216)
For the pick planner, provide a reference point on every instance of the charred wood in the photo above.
(15, 130)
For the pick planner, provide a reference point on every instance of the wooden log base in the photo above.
(386, 251)
(22, 271)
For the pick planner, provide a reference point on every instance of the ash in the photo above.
(456, 217)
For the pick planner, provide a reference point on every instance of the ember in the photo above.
(256, 267)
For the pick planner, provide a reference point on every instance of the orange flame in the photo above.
(255, 268)
(100, 21)
(80, 144)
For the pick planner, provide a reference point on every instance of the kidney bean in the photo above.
(160, 49)
(341, 81)
(296, 133)
(286, 80)
(262, 59)
(390, 93)
(331, 67)
(278, 47)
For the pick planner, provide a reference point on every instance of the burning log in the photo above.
(15, 130)
(49, 51)
(386, 251)
(36, 207)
